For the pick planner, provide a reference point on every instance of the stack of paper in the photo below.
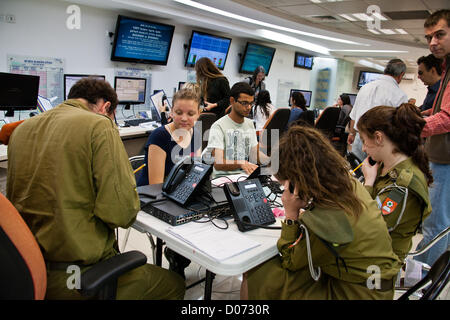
(217, 243)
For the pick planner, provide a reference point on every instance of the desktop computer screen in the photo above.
(18, 92)
(130, 90)
(71, 79)
(306, 94)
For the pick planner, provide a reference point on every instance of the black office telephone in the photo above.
(184, 179)
(249, 204)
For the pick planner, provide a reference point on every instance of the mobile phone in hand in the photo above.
(372, 162)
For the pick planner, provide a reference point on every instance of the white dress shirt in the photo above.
(382, 92)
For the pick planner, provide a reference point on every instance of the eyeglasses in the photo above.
(438, 34)
(246, 103)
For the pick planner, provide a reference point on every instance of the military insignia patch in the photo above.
(388, 206)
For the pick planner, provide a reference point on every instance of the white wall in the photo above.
(40, 30)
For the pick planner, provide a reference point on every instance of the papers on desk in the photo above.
(217, 243)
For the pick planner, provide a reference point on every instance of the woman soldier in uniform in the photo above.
(334, 244)
(399, 180)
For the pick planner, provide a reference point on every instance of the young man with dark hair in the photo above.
(429, 71)
(70, 179)
(232, 138)
(437, 134)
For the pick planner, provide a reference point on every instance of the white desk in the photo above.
(233, 266)
(3, 152)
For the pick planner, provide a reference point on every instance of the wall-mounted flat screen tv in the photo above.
(367, 76)
(207, 45)
(256, 55)
(303, 61)
(141, 41)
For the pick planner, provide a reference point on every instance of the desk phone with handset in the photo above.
(184, 179)
(249, 203)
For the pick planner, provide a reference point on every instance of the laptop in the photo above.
(43, 104)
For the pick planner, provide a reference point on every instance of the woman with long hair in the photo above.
(399, 180)
(256, 80)
(214, 87)
(263, 109)
(332, 235)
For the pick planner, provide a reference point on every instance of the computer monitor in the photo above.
(207, 45)
(71, 79)
(130, 90)
(18, 92)
(303, 61)
(306, 94)
(141, 41)
(367, 76)
(352, 97)
(256, 55)
(44, 104)
(180, 85)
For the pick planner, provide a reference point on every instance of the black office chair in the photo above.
(306, 118)
(354, 162)
(23, 272)
(327, 120)
(436, 280)
(206, 120)
(277, 121)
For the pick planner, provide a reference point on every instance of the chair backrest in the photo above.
(23, 273)
(305, 118)
(206, 120)
(438, 275)
(327, 120)
(137, 163)
(277, 121)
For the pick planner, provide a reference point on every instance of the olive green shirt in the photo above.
(417, 206)
(70, 178)
(370, 244)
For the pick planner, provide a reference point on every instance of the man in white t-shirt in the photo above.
(382, 92)
(232, 138)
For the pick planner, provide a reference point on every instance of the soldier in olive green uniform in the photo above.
(400, 178)
(334, 244)
(408, 185)
(346, 255)
(70, 178)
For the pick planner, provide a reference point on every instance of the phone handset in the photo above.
(176, 175)
(371, 161)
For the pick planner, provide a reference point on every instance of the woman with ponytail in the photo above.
(399, 179)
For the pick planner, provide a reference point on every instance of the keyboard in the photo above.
(136, 122)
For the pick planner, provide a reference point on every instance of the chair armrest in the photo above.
(102, 273)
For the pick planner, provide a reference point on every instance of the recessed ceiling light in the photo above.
(346, 16)
(374, 31)
(369, 51)
(362, 16)
(261, 23)
(401, 31)
(371, 64)
(387, 31)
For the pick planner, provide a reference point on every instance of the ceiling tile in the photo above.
(437, 4)
(345, 7)
(305, 10)
(397, 5)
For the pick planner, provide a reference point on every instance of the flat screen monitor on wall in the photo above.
(352, 97)
(207, 45)
(141, 41)
(303, 61)
(367, 76)
(18, 92)
(71, 79)
(256, 55)
(306, 94)
(130, 90)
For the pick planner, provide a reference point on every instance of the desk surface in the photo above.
(233, 266)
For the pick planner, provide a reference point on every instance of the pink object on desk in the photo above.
(277, 212)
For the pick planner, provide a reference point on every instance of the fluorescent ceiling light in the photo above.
(401, 31)
(374, 31)
(261, 23)
(362, 16)
(387, 31)
(279, 37)
(315, 1)
(379, 16)
(346, 16)
(371, 65)
(370, 51)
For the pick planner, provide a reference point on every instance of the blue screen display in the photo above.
(303, 61)
(257, 55)
(206, 45)
(306, 94)
(142, 41)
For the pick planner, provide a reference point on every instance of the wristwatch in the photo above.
(290, 222)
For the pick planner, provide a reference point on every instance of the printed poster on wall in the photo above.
(50, 71)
